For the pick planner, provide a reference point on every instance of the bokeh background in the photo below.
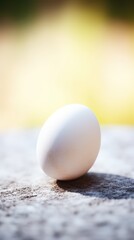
(54, 53)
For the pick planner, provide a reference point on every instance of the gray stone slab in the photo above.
(97, 206)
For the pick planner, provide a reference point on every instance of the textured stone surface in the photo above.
(98, 206)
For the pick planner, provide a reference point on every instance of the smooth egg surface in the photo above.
(69, 142)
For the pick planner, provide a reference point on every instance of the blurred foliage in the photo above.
(123, 9)
(73, 55)
(17, 10)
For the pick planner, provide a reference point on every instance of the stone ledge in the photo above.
(97, 206)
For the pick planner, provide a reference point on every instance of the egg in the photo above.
(69, 142)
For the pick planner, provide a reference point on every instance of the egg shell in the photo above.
(69, 142)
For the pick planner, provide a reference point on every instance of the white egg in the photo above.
(69, 142)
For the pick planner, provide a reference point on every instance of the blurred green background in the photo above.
(60, 52)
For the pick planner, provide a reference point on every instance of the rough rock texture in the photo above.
(98, 206)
